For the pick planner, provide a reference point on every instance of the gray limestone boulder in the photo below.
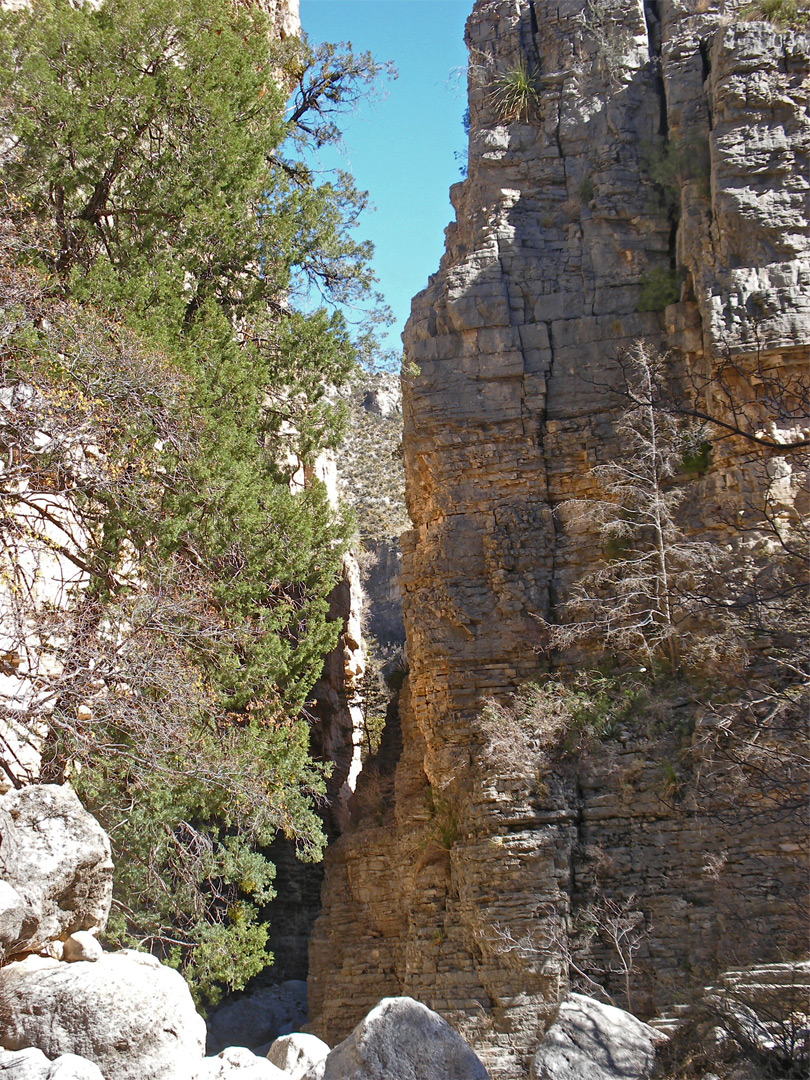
(55, 868)
(31, 1064)
(299, 1055)
(238, 1063)
(256, 1019)
(595, 1041)
(126, 1012)
(401, 1039)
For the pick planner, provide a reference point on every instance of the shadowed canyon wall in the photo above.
(455, 876)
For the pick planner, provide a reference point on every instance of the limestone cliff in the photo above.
(284, 15)
(444, 891)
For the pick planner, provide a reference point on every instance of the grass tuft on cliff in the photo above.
(786, 14)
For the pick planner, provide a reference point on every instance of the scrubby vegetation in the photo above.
(671, 163)
(682, 662)
(613, 42)
(786, 14)
(370, 469)
(660, 288)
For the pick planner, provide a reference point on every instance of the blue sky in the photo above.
(401, 147)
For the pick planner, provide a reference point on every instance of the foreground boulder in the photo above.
(126, 1012)
(55, 868)
(238, 1063)
(256, 1019)
(595, 1041)
(299, 1055)
(401, 1039)
(31, 1064)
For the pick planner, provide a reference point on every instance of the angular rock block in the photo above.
(81, 946)
(299, 1055)
(55, 868)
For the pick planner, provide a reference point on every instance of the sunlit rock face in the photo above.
(453, 883)
(284, 15)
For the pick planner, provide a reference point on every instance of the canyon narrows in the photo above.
(657, 160)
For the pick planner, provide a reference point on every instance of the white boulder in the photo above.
(55, 868)
(126, 1012)
(298, 1055)
(238, 1063)
(31, 1064)
(600, 1042)
(401, 1039)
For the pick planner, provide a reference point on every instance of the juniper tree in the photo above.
(161, 386)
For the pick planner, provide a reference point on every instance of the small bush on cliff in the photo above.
(559, 717)
(663, 593)
(515, 94)
(161, 388)
(670, 164)
(642, 599)
(443, 820)
(660, 288)
(613, 42)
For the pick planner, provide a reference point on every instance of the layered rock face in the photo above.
(444, 889)
(559, 226)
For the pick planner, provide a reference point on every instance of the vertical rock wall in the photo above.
(510, 350)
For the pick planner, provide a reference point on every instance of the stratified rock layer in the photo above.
(456, 886)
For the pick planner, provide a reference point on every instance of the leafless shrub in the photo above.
(373, 798)
(603, 21)
(643, 597)
(552, 939)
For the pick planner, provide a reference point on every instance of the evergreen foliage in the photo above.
(163, 392)
(669, 164)
(660, 288)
